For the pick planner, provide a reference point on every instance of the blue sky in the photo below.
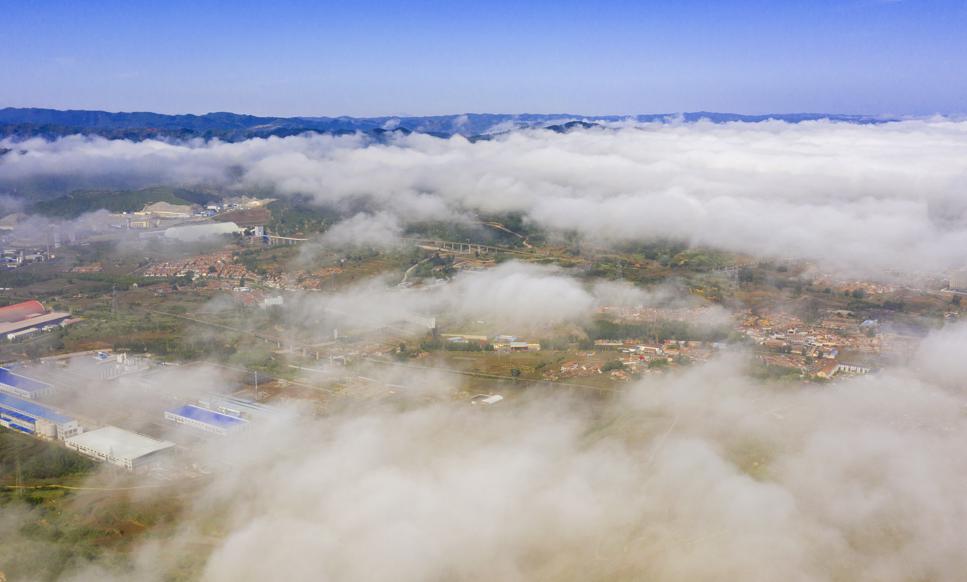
(421, 58)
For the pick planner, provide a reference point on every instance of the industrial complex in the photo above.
(111, 434)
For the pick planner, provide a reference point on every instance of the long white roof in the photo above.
(119, 443)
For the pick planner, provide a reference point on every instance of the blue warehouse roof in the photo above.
(32, 409)
(19, 416)
(24, 383)
(206, 416)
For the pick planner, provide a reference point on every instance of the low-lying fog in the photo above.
(865, 198)
(699, 475)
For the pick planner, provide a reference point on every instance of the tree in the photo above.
(612, 365)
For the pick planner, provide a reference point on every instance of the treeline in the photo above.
(672, 253)
(34, 459)
(436, 344)
(300, 215)
(23, 277)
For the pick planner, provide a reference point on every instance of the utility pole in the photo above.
(19, 476)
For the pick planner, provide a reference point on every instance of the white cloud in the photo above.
(871, 197)
(378, 230)
(517, 296)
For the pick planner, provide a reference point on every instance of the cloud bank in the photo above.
(512, 295)
(861, 197)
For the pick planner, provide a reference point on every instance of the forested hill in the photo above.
(81, 201)
(52, 123)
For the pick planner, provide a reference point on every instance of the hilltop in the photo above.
(79, 202)
(52, 123)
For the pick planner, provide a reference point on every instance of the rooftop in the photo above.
(39, 321)
(22, 382)
(21, 311)
(32, 408)
(119, 442)
(206, 416)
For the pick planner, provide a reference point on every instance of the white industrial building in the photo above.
(486, 399)
(120, 447)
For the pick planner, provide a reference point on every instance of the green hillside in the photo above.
(80, 201)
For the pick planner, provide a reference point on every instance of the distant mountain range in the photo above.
(52, 123)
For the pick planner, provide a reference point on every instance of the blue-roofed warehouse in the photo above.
(22, 386)
(204, 419)
(32, 418)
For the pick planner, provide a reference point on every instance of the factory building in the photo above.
(206, 420)
(120, 447)
(33, 419)
(28, 317)
(237, 407)
(22, 386)
(486, 399)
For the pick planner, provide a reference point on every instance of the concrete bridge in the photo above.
(449, 246)
(462, 248)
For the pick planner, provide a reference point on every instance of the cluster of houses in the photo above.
(218, 264)
(816, 349)
(634, 357)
